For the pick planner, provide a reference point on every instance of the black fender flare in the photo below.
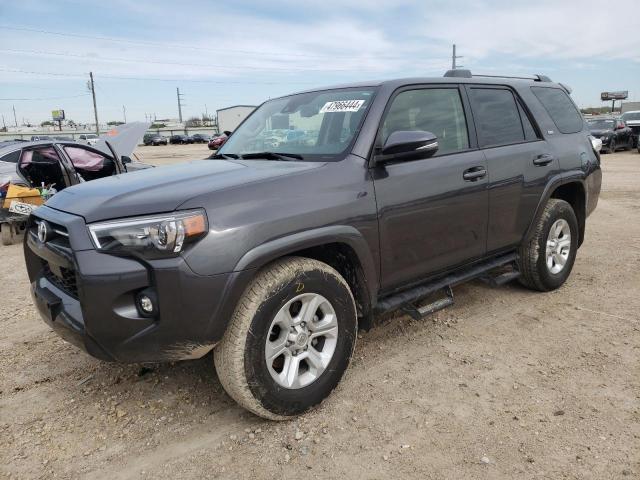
(575, 176)
(261, 255)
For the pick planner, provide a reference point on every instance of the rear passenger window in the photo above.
(435, 110)
(560, 108)
(496, 116)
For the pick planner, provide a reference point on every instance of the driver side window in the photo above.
(435, 110)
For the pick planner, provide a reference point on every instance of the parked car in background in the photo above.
(89, 138)
(32, 172)
(180, 139)
(274, 258)
(632, 119)
(200, 138)
(154, 139)
(218, 140)
(35, 138)
(613, 132)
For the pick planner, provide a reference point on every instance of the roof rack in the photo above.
(462, 73)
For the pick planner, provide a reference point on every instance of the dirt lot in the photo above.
(506, 384)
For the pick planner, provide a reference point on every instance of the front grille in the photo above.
(58, 232)
(63, 278)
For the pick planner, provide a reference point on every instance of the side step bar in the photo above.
(440, 304)
(407, 298)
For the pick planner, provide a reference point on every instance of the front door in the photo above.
(432, 213)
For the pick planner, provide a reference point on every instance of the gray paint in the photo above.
(406, 222)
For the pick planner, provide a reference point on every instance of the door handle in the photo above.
(542, 160)
(474, 173)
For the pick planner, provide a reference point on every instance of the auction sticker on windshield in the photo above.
(342, 106)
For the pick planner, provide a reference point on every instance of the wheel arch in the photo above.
(570, 188)
(341, 247)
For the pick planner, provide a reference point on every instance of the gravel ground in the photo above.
(507, 383)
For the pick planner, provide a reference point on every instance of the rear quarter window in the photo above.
(560, 108)
(12, 157)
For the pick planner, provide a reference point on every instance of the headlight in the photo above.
(157, 235)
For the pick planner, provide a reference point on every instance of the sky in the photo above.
(243, 52)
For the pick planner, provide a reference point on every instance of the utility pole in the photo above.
(4, 125)
(15, 119)
(95, 108)
(179, 103)
(124, 113)
(454, 57)
(206, 115)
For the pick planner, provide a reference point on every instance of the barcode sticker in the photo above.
(342, 106)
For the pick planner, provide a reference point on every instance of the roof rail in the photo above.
(461, 73)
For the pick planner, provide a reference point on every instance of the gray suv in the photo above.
(322, 210)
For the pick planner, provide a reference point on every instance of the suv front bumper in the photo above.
(89, 298)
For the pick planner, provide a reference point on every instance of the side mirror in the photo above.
(125, 159)
(402, 146)
(227, 133)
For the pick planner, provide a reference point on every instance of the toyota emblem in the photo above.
(43, 231)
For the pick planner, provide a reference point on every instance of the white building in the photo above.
(229, 118)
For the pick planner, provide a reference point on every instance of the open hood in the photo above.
(124, 138)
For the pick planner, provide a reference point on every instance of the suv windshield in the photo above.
(601, 124)
(631, 116)
(317, 125)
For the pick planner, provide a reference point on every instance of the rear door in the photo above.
(432, 212)
(519, 162)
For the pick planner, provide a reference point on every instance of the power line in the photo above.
(191, 47)
(118, 77)
(179, 64)
(41, 98)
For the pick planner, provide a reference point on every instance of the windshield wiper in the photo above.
(219, 156)
(272, 156)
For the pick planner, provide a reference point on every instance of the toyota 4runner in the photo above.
(322, 209)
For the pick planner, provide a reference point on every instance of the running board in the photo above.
(415, 294)
(418, 313)
(499, 280)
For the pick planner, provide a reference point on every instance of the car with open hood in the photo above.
(32, 172)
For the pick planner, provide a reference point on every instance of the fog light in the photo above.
(146, 305)
(147, 302)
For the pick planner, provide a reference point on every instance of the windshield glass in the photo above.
(631, 116)
(92, 135)
(601, 124)
(317, 125)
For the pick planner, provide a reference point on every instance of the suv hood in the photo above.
(164, 189)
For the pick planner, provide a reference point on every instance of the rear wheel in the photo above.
(290, 339)
(545, 262)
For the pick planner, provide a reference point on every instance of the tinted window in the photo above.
(529, 132)
(12, 157)
(435, 110)
(560, 108)
(496, 115)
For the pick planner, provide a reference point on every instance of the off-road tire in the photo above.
(7, 233)
(240, 358)
(532, 264)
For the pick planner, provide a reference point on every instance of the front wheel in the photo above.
(546, 260)
(612, 146)
(289, 340)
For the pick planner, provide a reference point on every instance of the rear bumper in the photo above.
(89, 298)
